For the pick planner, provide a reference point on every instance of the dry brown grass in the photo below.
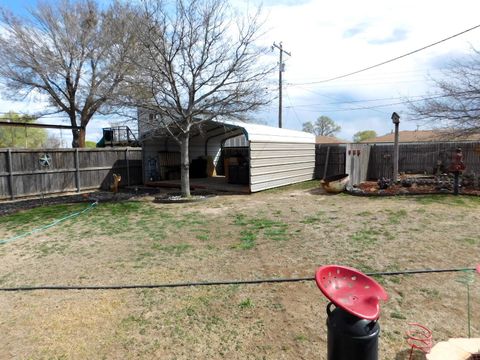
(287, 232)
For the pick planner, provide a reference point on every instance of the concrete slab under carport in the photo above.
(211, 184)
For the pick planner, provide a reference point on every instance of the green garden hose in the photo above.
(56, 222)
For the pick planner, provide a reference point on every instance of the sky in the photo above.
(331, 38)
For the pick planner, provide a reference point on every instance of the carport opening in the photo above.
(234, 161)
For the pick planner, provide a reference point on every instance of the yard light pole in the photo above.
(396, 121)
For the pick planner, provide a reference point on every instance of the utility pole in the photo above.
(281, 68)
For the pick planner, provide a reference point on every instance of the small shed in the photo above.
(266, 157)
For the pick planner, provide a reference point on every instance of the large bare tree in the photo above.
(71, 51)
(454, 108)
(200, 62)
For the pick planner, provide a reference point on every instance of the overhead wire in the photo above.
(389, 60)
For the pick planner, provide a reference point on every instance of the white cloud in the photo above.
(328, 39)
(331, 38)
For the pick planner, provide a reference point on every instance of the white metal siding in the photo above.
(274, 164)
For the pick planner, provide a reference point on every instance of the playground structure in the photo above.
(118, 136)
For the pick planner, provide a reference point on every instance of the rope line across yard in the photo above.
(56, 222)
(220, 282)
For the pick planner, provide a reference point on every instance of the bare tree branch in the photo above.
(199, 62)
(73, 52)
(456, 111)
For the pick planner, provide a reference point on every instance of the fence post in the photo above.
(10, 173)
(77, 170)
(128, 167)
(325, 167)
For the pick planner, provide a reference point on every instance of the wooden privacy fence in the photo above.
(421, 158)
(329, 160)
(34, 172)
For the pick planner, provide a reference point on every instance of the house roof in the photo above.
(414, 136)
(321, 139)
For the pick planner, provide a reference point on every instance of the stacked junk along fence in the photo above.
(38, 172)
(425, 158)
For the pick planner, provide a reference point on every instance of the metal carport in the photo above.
(276, 157)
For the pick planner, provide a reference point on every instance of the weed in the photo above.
(445, 199)
(271, 229)
(203, 237)
(46, 249)
(310, 220)
(366, 236)
(245, 304)
(470, 241)
(395, 216)
(174, 249)
(247, 240)
(133, 321)
(190, 311)
(364, 213)
(278, 234)
(306, 185)
(430, 293)
(300, 338)
(397, 315)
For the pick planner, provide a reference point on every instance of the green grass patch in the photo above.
(50, 248)
(364, 213)
(468, 201)
(397, 315)
(247, 240)
(366, 236)
(470, 241)
(305, 185)
(396, 216)
(29, 219)
(174, 249)
(203, 237)
(246, 304)
(254, 228)
(300, 338)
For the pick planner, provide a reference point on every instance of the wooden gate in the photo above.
(356, 162)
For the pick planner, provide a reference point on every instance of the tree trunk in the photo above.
(78, 140)
(184, 166)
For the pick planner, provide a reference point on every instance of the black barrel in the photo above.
(351, 338)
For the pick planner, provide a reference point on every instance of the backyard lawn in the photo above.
(286, 232)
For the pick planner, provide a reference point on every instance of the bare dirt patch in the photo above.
(280, 233)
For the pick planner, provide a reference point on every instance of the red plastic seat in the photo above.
(351, 290)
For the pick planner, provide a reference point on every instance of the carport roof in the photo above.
(254, 132)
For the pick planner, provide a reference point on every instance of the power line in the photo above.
(392, 104)
(390, 60)
(293, 109)
(333, 98)
(400, 73)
